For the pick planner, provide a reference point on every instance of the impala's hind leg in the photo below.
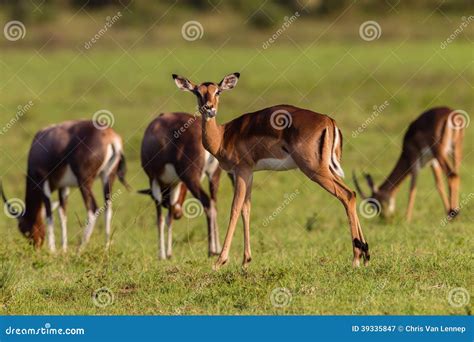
(437, 173)
(63, 194)
(49, 216)
(193, 184)
(157, 196)
(213, 188)
(107, 188)
(411, 196)
(320, 173)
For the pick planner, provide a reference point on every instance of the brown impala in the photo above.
(281, 137)
(175, 160)
(70, 154)
(433, 138)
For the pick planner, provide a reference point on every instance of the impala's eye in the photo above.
(218, 93)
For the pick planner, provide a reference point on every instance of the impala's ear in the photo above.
(183, 83)
(229, 81)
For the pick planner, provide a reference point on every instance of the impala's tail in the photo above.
(336, 152)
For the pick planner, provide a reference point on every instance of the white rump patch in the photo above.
(334, 164)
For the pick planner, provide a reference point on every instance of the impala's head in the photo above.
(207, 93)
(380, 202)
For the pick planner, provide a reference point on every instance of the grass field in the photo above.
(306, 248)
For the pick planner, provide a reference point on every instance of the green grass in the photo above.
(306, 248)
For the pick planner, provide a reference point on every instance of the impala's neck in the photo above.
(396, 177)
(212, 135)
(33, 202)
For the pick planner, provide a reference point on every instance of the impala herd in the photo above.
(75, 153)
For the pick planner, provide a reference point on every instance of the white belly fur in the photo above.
(169, 175)
(69, 179)
(210, 165)
(275, 164)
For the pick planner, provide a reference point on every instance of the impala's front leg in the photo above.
(49, 216)
(240, 182)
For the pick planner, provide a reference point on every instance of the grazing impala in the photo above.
(175, 160)
(70, 154)
(433, 138)
(281, 137)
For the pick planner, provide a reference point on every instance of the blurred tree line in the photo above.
(261, 16)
